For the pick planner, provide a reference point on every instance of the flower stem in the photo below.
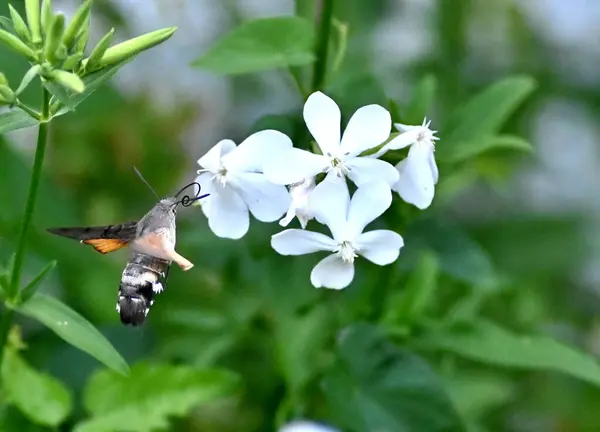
(34, 183)
(322, 48)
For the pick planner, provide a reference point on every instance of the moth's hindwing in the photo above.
(144, 277)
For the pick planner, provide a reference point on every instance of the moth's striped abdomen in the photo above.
(142, 278)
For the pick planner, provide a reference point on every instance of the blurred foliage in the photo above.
(466, 331)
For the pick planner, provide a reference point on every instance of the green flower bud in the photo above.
(32, 11)
(47, 18)
(14, 43)
(68, 80)
(7, 97)
(3, 80)
(80, 19)
(54, 37)
(93, 60)
(28, 77)
(82, 37)
(19, 24)
(130, 48)
(72, 62)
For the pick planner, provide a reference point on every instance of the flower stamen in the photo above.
(347, 251)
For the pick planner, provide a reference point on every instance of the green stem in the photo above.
(322, 48)
(34, 183)
(31, 112)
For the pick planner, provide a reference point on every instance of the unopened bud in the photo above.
(7, 97)
(19, 25)
(130, 48)
(67, 80)
(82, 37)
(14, 43)
(93, 61)
(32, 11)
(54, 37)
(46, 17)
(72, 62)
(80, 19)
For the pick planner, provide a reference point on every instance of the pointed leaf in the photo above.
(488, 343)
(463, 150)
(14, 120)
(145, 400)
(6, 24)
(32, 286)
(74, 329)
(261, 44)
(376, 386)
(41, 397)
(485, 113)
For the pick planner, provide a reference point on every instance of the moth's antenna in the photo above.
(145, 182)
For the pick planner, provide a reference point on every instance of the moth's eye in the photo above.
(174, 210)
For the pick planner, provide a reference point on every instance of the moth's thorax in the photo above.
(141, 279)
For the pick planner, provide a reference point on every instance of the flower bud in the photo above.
(46, 17)
(79, 20)
(7, 97)
(82, 37)
(14, 43)
(32, 11)
(68, 80)
(72, 62)
(3, 79)
(54, 37)
(19, 25)
(93, 61)
(130, 48)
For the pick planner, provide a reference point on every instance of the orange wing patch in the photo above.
(105, 245)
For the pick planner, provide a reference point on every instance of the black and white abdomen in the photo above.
(142, 278)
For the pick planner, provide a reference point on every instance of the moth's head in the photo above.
(168, 205)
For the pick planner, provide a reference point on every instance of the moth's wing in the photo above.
(104, 239)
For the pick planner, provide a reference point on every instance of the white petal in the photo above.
(367, 128)
(433, 166)
(368, 203)
(212, 159)
(267, 201)
(332, 272)
(305, 426)
(403, 140)
(207, 186)
(300, 242)
(329, 203)
(381, 247)
(323, 118)
(365, 170)
(293, 165)
(289, 216)
(227, 214)
(255, 150)
(416, 185)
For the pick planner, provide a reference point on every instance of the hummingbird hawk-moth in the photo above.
(152, 244)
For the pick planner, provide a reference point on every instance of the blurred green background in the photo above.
(514, 236)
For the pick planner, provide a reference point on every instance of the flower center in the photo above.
(221, 176)
(339, 167)
(346, 251)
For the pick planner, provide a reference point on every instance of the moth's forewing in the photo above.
(104, 239)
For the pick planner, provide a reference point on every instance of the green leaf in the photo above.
(261, 44)
(421, 101)
(14, 120)
(69, 99)
(485, 113)
(464, 150)
(488, 343)
(74, 329)
(6, 24)
(41, 397)
(153, 393)
(32, 286)
(410, 303)
(376, 386)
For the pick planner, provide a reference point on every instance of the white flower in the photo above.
(368, 127)
(305, 426)
(418, 171)
(233, 177)
(299, 193)
(346, 220)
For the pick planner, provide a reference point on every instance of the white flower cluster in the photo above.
(252, 178)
